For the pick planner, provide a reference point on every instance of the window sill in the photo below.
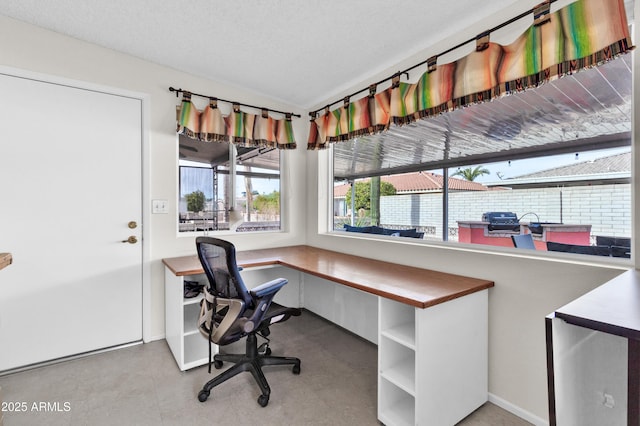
(569, 258)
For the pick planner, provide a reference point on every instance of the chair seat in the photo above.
(276, 313)
(275, 310)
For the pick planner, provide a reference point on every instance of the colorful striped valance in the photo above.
(238, 127)
(583, 34)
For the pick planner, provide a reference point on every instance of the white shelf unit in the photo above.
(432, 362)
(396, 363)
(590, 371)
(188, 346)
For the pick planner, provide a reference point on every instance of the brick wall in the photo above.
(606, 207)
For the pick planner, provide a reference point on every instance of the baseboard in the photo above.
(514, 409)
(154, 338)
(68, 358)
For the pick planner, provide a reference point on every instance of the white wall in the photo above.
(527, 288)
(31, 48)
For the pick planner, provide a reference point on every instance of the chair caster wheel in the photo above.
(263, 400)
(217, 364)
(264, 349)
(296, 369)
(203, 395)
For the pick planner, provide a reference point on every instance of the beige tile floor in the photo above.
(141, 385)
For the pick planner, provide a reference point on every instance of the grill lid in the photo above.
(499, 217)
(501, 221)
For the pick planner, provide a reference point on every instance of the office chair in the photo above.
(230, 312)
(523, 241)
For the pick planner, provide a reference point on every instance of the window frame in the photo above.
(231, 171)
(481, 248)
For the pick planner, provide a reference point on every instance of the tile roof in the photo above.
(418, 182)
(612, 164)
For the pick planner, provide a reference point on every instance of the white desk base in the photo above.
(432, 362)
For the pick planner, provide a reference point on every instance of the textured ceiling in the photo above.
(299, 52)
(306, 53)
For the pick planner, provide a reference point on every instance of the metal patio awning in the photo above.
(587, 110)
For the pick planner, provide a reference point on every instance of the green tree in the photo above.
(248, 190)
(363, 194)
(195, 201)
(472, 174)
(267, 203)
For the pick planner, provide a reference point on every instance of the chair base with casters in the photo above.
(252, 361)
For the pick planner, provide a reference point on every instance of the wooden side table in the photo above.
(5, 260)
(593, 356)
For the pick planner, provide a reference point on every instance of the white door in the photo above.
(70, 182)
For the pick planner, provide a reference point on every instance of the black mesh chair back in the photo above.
(218, 259)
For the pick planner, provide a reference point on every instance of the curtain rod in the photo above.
(178, 91)
(406, 71)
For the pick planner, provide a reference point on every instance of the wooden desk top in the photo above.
(613, 308)
(414, 286)
(5, 260)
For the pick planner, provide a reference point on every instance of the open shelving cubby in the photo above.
(396, 363)
(188, 346)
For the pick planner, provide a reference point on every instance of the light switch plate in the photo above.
(160, 207)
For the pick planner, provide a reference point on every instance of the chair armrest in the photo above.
(268, 288)
(262, 297)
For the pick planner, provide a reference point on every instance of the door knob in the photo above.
(131, 240)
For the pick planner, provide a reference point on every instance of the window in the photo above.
(218, 179)
(554, 162)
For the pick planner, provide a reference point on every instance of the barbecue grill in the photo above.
(502, 221)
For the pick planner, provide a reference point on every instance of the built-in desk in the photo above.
(414, 286)
(432, 326)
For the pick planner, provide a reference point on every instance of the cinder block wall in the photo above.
(606, 207)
